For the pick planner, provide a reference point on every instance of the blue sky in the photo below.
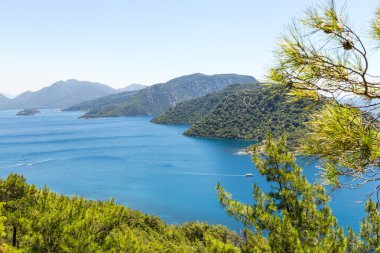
(119, 42)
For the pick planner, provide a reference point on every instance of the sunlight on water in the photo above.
(153, 168)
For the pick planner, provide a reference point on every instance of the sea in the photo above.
(149, 167)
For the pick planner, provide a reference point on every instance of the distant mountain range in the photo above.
(8, 95)
(102, 102)
(221, 106)
(3, 100)
(61, 94)
(133, 87)
(241, 112)
(157, 98)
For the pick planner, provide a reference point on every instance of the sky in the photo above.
(119, 42)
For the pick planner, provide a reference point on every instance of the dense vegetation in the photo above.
(158, 98)
(245, 111)
(188, 112)
(320, 54)
(294, 215)
(38, 220)
(323, 54)
(252, 113)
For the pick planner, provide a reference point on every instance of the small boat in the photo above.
(249, 175)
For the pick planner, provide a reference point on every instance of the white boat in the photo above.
(249, 175)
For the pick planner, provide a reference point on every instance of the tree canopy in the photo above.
(294, 215)
(322, 55)
(38, 220)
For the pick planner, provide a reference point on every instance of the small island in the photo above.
(28, 112)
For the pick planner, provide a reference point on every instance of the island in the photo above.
(28, 112)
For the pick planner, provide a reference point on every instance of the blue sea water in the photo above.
(144, 166)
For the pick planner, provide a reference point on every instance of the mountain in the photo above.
(8, 95)
(157, 98)
(133, 87)
(188, 112)
(61, 94)
(252, 113)
(99, 103)
(3, 101)
(241, 112)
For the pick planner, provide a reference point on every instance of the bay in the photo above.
(144, 166)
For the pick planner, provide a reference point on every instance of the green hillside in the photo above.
(38, 220)
(157, 98)
(241, 112)
(190, 111)
(251, 114)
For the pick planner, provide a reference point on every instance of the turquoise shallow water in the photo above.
(149, 167)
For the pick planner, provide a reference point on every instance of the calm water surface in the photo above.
(149, 167)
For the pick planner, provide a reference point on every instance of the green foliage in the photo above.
(354, 244)
(250, 112)
(4, 247)
(376, 25)
(369, 238)
(191, 111)
(344, 139)
(48, 222)
(322, 53)
(294, 216)
(370, 227)
(157, 98)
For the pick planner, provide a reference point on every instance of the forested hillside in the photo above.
(251, 114)
(242, 112)
(190, 111)
(38, 220)
(157, 98)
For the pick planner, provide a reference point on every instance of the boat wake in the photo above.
(242, 152)
(28, 163)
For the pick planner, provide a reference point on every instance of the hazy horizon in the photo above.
(121, 42)
(13, 95)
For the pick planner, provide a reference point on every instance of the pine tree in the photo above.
(321, 55)
(294, 216)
